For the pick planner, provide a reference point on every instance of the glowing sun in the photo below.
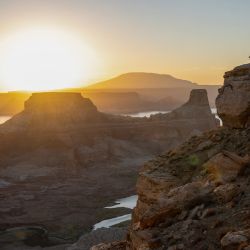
(44, 59)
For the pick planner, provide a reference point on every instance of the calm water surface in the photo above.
(128, 202)
(3, 119)
(149, 113)
(146, 114)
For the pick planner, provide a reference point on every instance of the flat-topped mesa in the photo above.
(233, 101)
(54, 103)
(55, 110)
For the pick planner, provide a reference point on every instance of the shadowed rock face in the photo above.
(198, 97)
(55, 111)
(233, 101)
(195, 110)
(187, 196)
(64, 160)
(197, 107)
(55, 103)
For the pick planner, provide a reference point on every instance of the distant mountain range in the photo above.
(138, 80)
(127, 93)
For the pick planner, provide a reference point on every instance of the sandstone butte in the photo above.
(197, 196)
(62, 161)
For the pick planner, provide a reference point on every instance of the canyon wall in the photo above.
(197, 195)
(63, 161)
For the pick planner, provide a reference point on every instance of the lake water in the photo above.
(146, 114)
(111, 222)
(149, 113)
(128, 202)
(3, 119)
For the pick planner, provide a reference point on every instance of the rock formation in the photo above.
(55, 111)
(197, 107)
(187, 196)
(233, 101)
(55, 152)
(197, 196)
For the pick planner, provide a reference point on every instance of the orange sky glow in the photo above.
(58, 44)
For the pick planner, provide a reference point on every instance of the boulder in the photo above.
(225, 166)
(233, 101)
(225, 193)
(237, 240)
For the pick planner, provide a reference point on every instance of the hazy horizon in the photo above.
(195, 40)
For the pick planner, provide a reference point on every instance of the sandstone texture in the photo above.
(196, 197)
(233, 101)
(62, 161)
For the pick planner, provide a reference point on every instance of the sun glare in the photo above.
(44, 59)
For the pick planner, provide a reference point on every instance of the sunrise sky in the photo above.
(197, 40)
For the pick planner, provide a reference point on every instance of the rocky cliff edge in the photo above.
(198, 195)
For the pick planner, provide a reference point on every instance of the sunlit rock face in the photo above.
(233, 101)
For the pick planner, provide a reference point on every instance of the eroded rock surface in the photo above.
(64, 161)
(197, 196)
(195, 109)
(233, 101)
(181, 207)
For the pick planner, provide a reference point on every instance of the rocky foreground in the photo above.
(62, 161)
(197, 196)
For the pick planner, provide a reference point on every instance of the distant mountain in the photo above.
(138, 80)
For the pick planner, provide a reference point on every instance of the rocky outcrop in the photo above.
(233, 101)
(197, 107)
(55, 152)
(193, 117)
(196, 196)
(187, 195)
